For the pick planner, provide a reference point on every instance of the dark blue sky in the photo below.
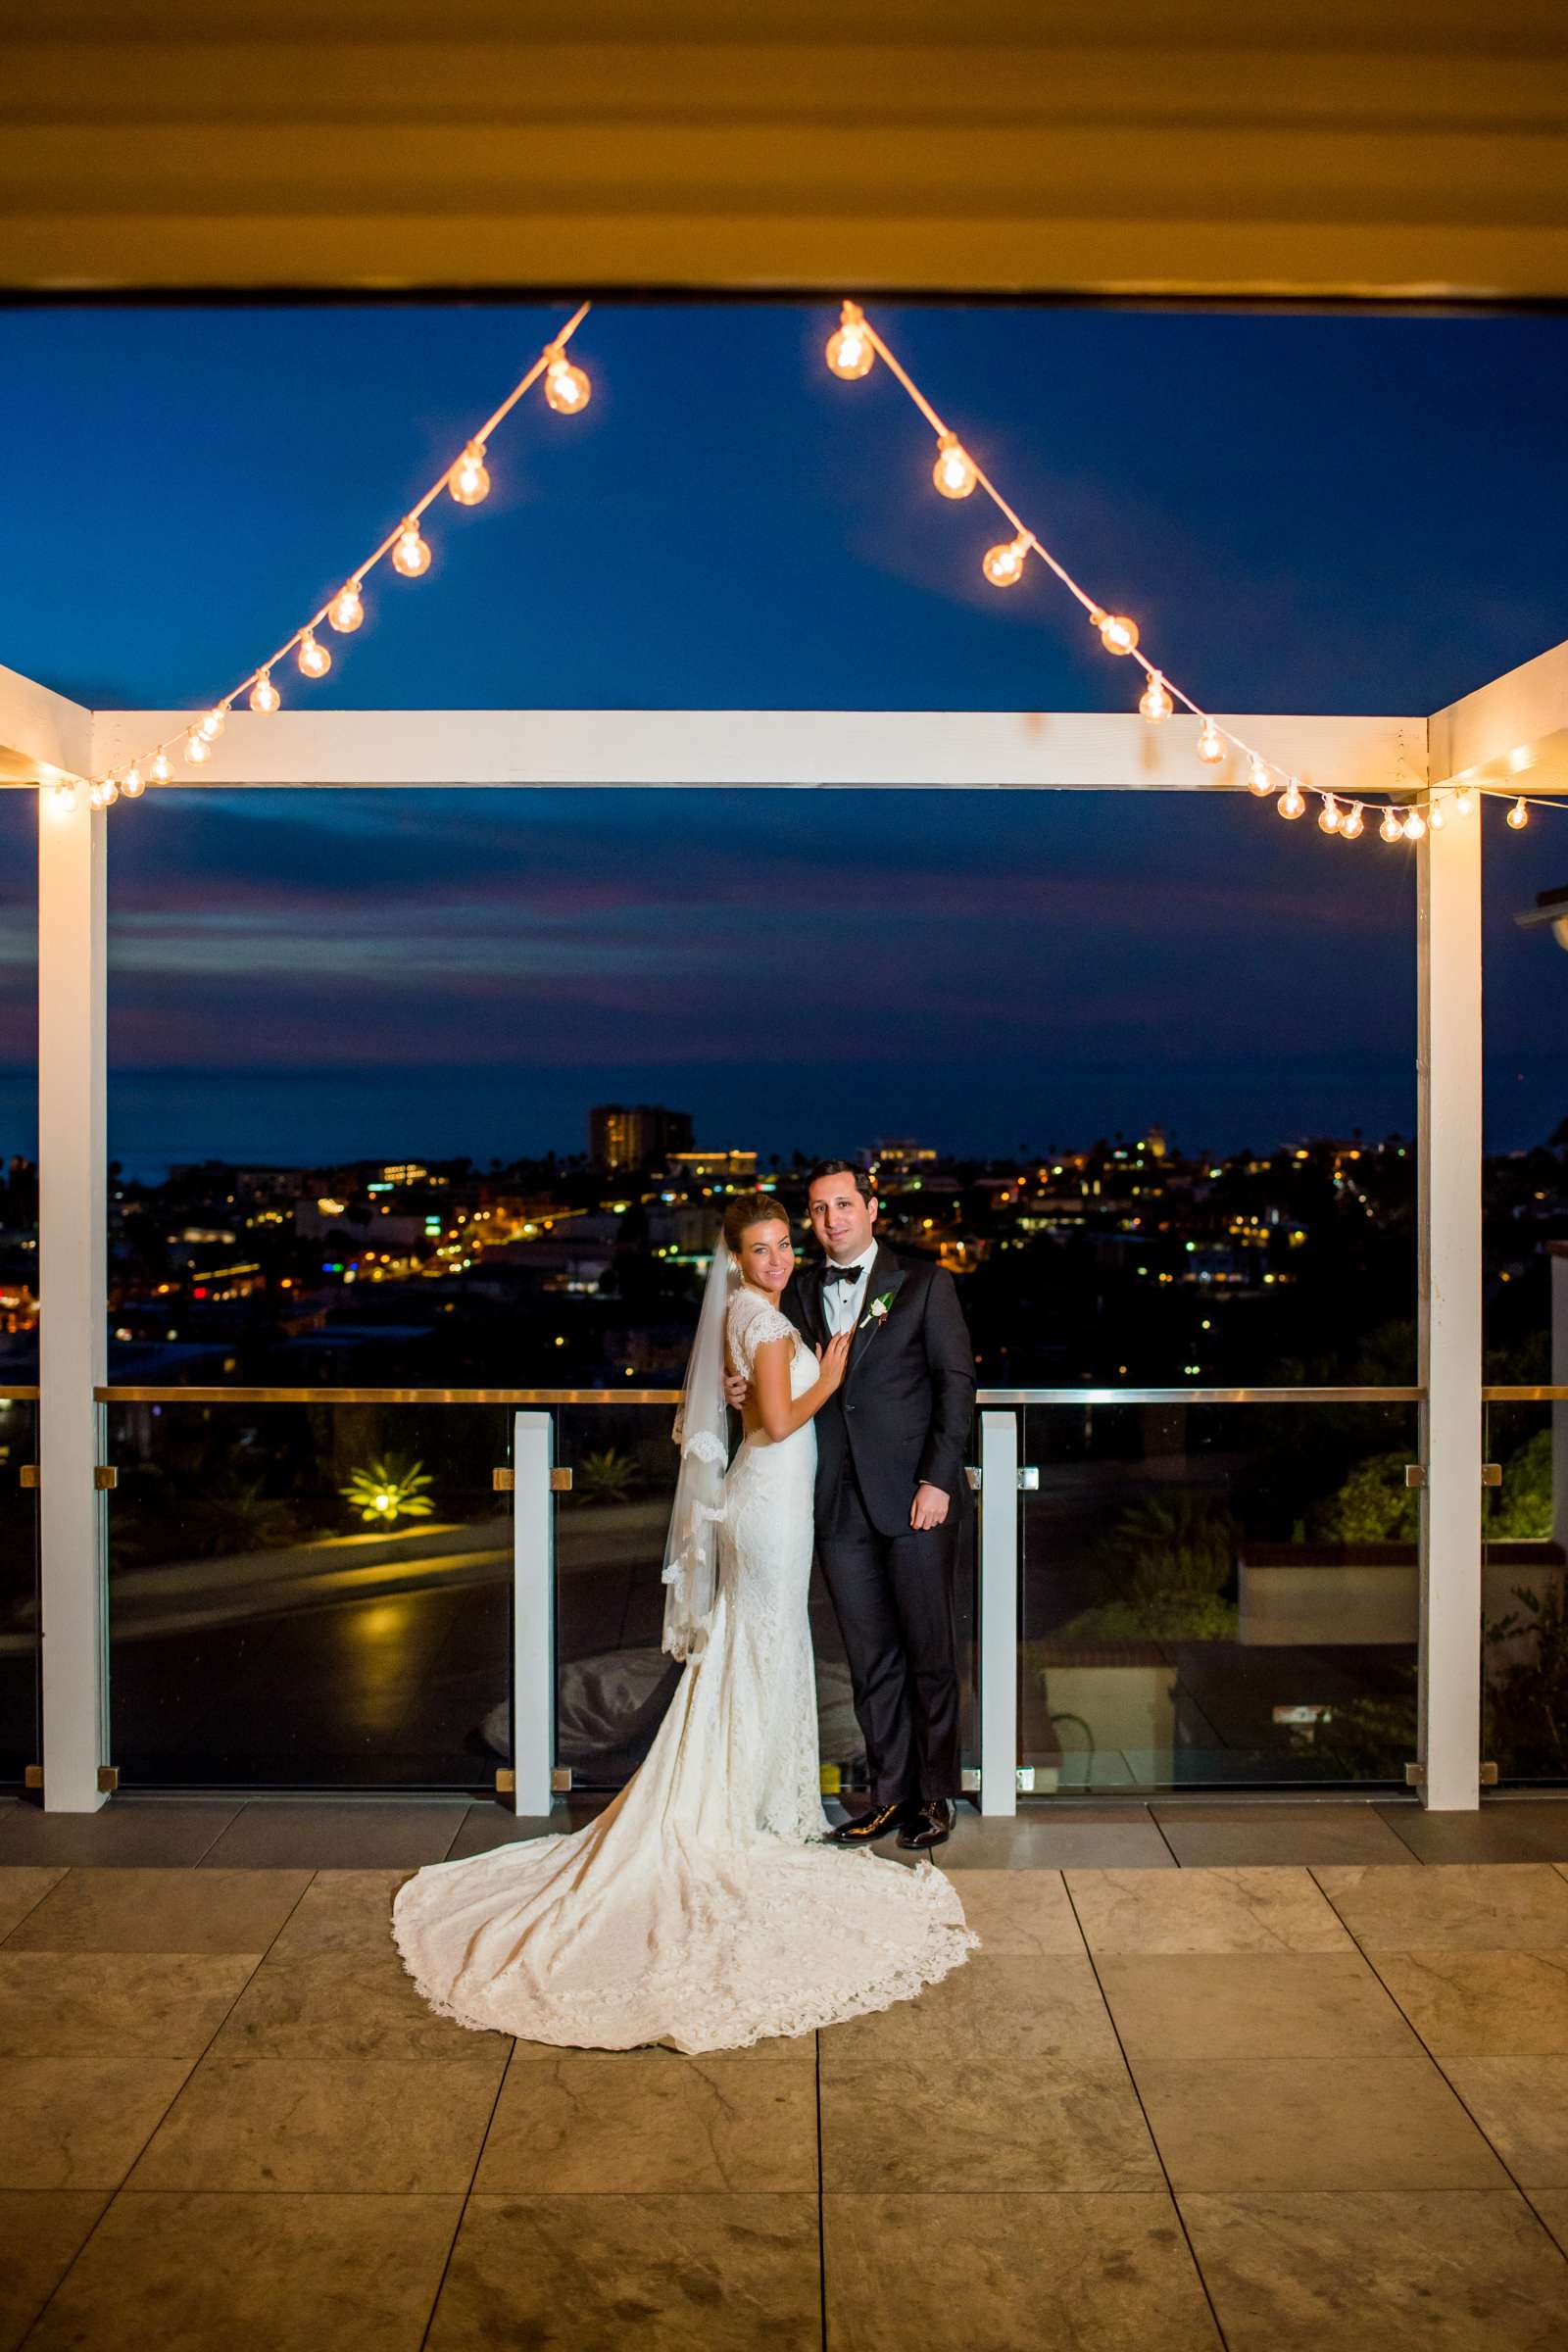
(1311, 513)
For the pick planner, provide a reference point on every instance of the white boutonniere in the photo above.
(877, 1311)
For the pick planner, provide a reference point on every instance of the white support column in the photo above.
(72, 1265)
(533, 1640)
(999, 1613)
(1449, 1175)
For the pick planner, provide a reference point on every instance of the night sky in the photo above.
(1311, 514)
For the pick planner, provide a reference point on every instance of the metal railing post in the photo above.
(999, 1613)
(533, 1586)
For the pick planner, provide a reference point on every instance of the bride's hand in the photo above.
(833, 1358)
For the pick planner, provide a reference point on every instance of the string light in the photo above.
(1390, 828)
(850, 351)
(1004, 565)
(1210, 742)
(197, 748)
(1292, 801)
(1463, 801)
(1332, 815)
(1352, 827)
(346, 608)
(1436, 817)
(1118, 634)
(111, 792)
(1518, 814)
(133, 784)
(566, 387)
(954, 472)
(65, 796)
(95, 796)
(1414, 827)
(1154, 703)
(1259, 777)
(411, 554)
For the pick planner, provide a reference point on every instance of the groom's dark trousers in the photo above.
(901, 1418)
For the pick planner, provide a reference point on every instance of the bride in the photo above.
(701, 1908)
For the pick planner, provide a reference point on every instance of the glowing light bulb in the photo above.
(160, 770)
(197, 748)
(1210, 742)
(65, 797)
(1351, 826)
(1155, 701)
(95, 796)
(954, 472)
(1439, 820)
(410, 556)
(1518, 815)
(264, 696)
(566, 389)
(1464, 800)
(1118, 634)
(111, 792)
(1332, 815)
(1414, 827)
(212, 726)
(468, 481)
(850, 351)
(346, 608)
(1390, 827)
(1004, 566)
(313, 657)
(1259, 777)
(134, 786)
(1291, 802)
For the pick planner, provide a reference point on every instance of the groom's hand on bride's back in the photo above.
(736, 1384)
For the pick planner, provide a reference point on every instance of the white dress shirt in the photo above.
(844, 1303)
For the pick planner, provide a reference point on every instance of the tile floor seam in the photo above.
(1159, 2157)
(63, 1869)
(1159, 1832)
(1515, 2182)
(467, 2196)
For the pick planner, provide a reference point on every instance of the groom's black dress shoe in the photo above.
(876, 1823)
(928, 1825)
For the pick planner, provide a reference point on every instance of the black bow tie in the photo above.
(843, 1274)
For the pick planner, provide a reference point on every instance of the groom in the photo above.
(890, 1493)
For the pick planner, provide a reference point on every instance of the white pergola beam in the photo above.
(41, 733)
(1513, 730)
(1068, 750)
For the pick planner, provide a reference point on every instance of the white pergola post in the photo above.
(1449, 1175)
(72, 1260)
(533, 1615)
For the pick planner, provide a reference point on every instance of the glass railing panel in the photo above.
(613, 1679)
(1218, 1595)
(1524, 1634)
(20, 1743)
(309, 1595)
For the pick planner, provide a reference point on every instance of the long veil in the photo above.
(701, 1430)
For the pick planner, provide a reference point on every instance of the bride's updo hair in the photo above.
(748, 1209)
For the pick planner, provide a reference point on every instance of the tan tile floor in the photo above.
(1219, 2076)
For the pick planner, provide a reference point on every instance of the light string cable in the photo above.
(850, 354)
(566, 389)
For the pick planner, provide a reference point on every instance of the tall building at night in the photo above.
(624, 1136)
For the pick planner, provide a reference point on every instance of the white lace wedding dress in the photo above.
(698, 1910)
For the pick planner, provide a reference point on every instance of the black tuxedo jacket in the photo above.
(904, 1412)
